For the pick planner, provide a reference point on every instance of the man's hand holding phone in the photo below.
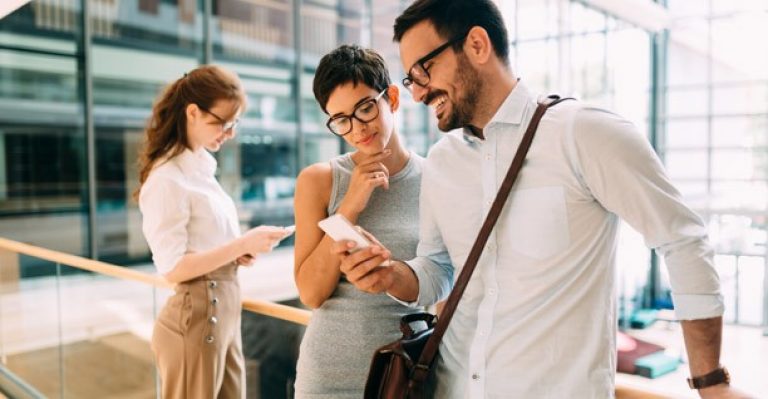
(363, 258)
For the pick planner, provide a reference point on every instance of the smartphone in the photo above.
(339, 228)
(290, 230)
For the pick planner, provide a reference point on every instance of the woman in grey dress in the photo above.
(376, 186)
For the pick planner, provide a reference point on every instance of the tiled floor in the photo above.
(46, 311)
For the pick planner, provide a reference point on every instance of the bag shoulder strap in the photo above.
(421, 369)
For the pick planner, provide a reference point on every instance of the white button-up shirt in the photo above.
(185, 210)
(538, 318)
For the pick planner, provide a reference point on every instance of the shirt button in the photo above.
(476, 376)
(209, 339)
(215, 301)
(213, 320)
(487, 157)
(491, 292)
(212, 284)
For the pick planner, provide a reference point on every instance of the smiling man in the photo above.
(538, 318)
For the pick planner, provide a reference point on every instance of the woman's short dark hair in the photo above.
(349, 63)
(453, 18)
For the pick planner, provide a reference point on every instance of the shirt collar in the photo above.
(199, 161)
(511, 110)
(513, 107)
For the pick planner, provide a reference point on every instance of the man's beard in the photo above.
(463, 109)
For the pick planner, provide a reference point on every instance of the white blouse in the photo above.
(185, 210)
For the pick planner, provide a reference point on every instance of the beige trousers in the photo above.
(197, 341)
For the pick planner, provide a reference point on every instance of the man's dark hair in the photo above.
(349, 63)
(452, 18)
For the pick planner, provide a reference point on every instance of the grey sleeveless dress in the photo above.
(343, 333)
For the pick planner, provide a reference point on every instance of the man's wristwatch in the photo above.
(718, 376)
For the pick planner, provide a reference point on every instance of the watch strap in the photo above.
(718, 376)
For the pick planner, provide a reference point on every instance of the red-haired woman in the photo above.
(192, 229)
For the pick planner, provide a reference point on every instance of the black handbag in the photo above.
(401, 369)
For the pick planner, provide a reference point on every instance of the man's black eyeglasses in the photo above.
(225, 126)
(419, 73)
(365, 112)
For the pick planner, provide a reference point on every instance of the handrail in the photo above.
(14, 387)
(83, 263)
(267, 308)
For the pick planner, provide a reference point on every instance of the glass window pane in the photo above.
(508, 10)
(30, 333)
(42, 140)
(253, 31)
(172, 27)
(39, 86)
(537, 65)
(733, 59)
(43, 25)
(321, 148)
(687, 133)
(688, 53)
(267, 166)
(585, 19)
(536, 19)
(692, 191)
(588, 69)
(745, 195)
(628, 74)
(686, 164)
(688, 8)
(750, 295)
(740, 99)
(723, 7)
(687, 102)
(740, 131)
(320, 31)
(732, 164)
(726, 269)
(43, 186)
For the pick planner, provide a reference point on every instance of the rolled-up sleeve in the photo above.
(164, 206)
(432, 264)
(627, 178)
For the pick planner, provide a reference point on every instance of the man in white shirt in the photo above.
(538, 317)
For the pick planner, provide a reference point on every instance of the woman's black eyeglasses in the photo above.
(365, 112)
